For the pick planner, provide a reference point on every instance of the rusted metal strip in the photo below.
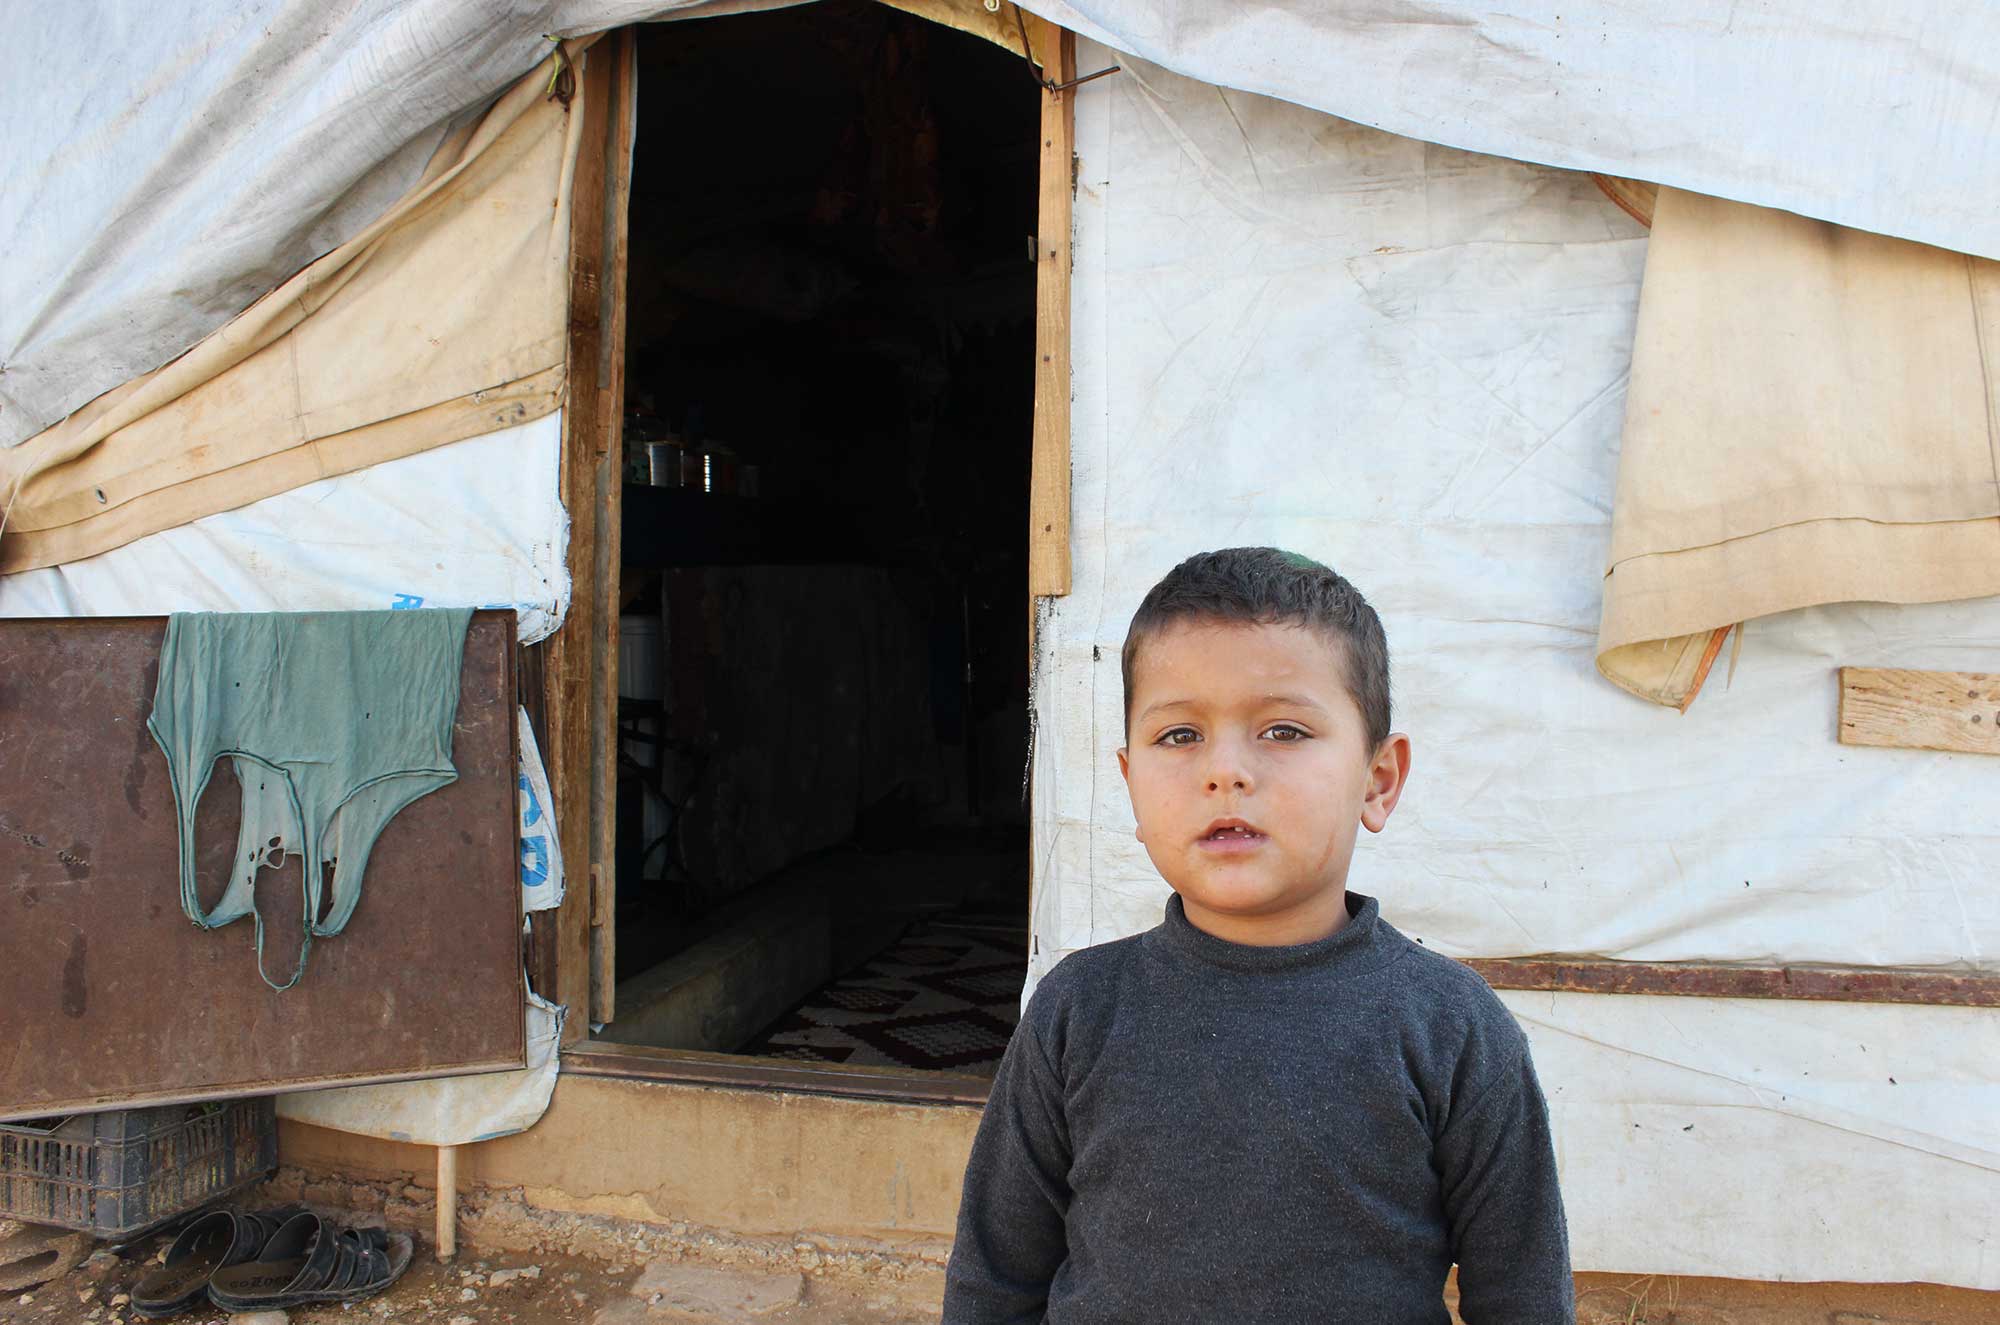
(1842, 984)
(1055, 87)
(689, 1067)
(1826, 984)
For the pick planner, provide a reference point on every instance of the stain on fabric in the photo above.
(142, 748)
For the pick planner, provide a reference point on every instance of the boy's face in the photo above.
(1249, 767)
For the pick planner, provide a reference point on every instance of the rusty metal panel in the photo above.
(1831, 984)
(110, 996)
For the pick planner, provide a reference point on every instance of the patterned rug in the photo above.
(939, 1001)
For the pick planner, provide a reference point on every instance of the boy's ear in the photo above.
(1387, 774)
(1125, 771)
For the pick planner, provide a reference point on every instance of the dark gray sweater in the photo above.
(1188, 1129)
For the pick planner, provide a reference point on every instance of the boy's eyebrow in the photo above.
(1296, 701)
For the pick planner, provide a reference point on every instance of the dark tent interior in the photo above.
(822, 834)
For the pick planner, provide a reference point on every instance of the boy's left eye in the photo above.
(1285, 733)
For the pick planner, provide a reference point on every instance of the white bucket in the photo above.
(640, 661)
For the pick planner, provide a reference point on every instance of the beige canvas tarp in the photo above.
(1811, 419)
(442, 320)
(1001, 24)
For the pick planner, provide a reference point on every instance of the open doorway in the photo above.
(829, 369)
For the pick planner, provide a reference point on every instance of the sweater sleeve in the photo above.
(1497, 1164)
(1011, 1237)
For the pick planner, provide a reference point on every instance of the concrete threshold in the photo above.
(767, 951)
(849, 1192)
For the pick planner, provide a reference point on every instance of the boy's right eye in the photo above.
(1178, 736)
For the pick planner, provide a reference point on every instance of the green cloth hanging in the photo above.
(334, 721)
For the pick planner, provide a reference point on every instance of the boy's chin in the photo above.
(1242, 897)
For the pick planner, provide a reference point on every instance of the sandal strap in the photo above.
(360, 1258)
(254, 1229)
(302, 1236)
(337, 1260)
(249, 1230)
(201, 1230)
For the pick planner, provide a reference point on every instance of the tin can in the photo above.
(663, 464)
(719, 470)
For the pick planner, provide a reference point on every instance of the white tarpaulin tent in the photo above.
(1409, 362)
(1400, 358)
(169, 163)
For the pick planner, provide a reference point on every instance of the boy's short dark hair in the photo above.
(1269, 586)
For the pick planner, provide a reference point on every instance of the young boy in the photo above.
(1273, 1106)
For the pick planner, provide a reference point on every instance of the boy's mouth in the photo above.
(1230, 835)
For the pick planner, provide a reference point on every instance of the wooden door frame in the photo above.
(574, 673)
(1054, 49)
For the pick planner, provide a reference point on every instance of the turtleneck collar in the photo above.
(1363, 943)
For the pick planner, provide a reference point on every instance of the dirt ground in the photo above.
(514, 1265)
(485, 1289)
(529, 1268)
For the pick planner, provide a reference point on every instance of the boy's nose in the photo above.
(1226, 772)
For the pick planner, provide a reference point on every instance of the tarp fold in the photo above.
(1810, 419)
(441, 320)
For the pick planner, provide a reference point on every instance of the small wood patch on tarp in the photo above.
(1956, 711)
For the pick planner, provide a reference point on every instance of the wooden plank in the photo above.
(1049, 466)
(1956, 711)
(1049, 477)
(610, 522)
(569, 672)
(530, 684)
(112, 998)
(646, 1063)
(1822, 984)
(603, 699)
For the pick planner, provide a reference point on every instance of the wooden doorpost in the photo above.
(579, 668)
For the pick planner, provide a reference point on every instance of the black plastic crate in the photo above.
(119, 1174)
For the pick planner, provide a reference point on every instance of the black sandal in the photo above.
(217, 1239)
(313, 1260)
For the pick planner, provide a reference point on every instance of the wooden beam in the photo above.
(569, 672)
(445, 1227)
(637, 1062)
(1821, 984)
(531, 685)
(1054, 50)
(623, 103)
(1049, 479)
(1956, 711)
